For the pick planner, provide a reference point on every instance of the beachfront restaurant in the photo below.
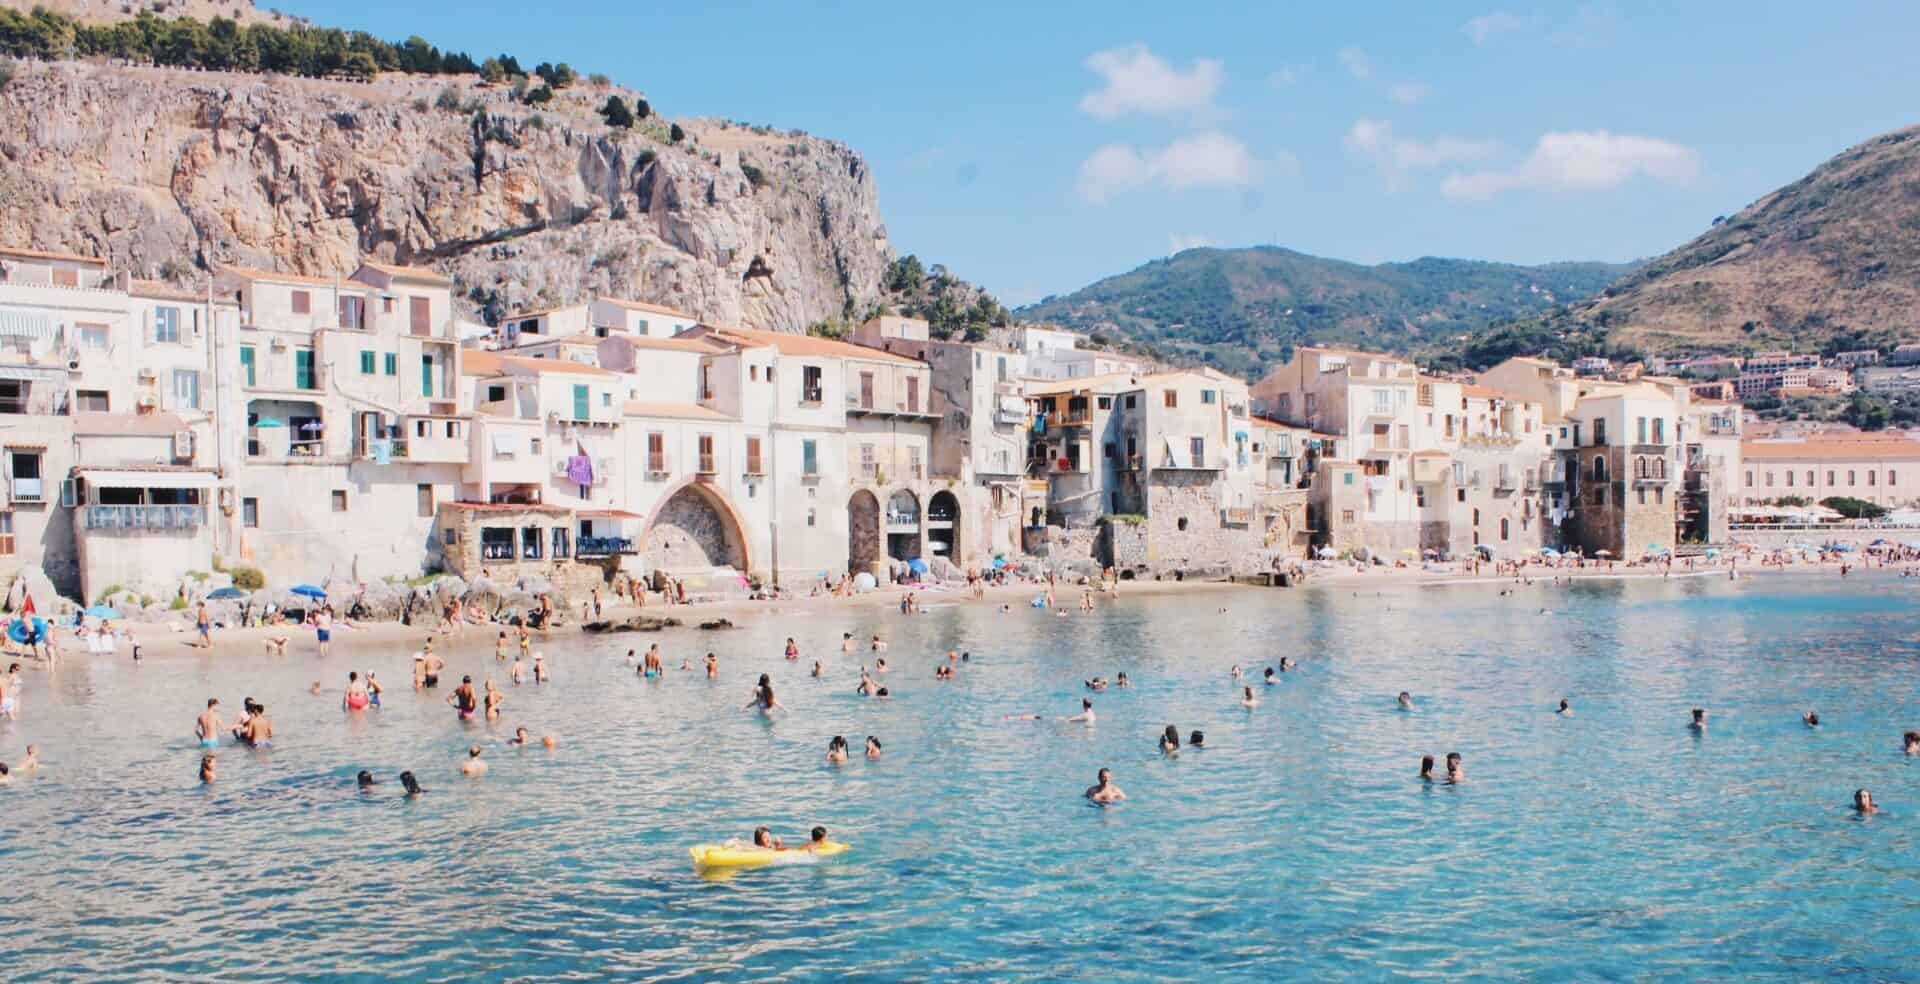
(503, 540)
(135, 526)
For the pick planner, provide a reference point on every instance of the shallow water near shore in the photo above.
(1610, 844)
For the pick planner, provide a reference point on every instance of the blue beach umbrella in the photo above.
(309, 591)
(917, 566)
(103, 611)
(225, 594)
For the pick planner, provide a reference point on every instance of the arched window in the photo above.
(1639, 467)
(1599, 468)
(1660, 468)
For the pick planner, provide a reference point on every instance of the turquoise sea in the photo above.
(1614, 844)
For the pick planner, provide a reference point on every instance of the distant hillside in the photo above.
(1243, 309)
(1829, 261)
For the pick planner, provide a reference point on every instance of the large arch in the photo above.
(904, 525)
(943, 525)
(694, 527)
(863, 531)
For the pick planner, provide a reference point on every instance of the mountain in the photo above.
(1243, 309)
(519, 190)
(1830, 261)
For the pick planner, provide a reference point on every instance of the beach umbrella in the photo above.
(917, 566)
(225, 594)
(1549, 551)
(103, 611)
(1603, 553)
(309, 591)
(269, 422)
(1712, 553)
(1485, 549)
(999, 562)
(1326, 553)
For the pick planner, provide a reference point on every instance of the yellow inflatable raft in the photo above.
(724, 856)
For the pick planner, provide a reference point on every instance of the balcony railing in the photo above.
(604, 546)
(29, 490)
(148, 518)
(906, 522)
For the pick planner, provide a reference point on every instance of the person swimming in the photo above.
(1287, 664)
(817, 839)
(763, 698)
(1170, 741)
(1196, 740)
(763, 837)
(540, 674)
(1863, 803)
(365, 780)
(1699, 722)
(880, 665)
(1086, 712)
(259, 732)
(1426, 768)
(818, 670)
(30, 764)
(837, 750)
(882, 694)
(410, 785)
(867, 687)
(206, 769)
(494, 700)
(1455, 771)
(373, 690)
(1911, 742)
(1811, 719)
(474, 766)
(1097, 684)
(713, 667)
(1103, 790)
(873, 748)
(1269, 676)
(1121, 680)
(1247, 699)
(1565, 709)
(1405, 700)
(793, 649)
(1235, 672)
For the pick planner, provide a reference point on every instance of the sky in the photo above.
(1035, 148)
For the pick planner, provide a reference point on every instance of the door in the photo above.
(420, 314)
(426, 375)
(580, 402)
(303, 369)
(866, 391)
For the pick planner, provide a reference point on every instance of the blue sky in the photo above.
(1034, 148)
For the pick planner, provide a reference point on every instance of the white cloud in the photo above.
(1578, 161)
(1397, 157)
(1203, 160)
(1489, 26)
(1139, 81)
(1182, 241)
(1410, 93)
(1356, 63)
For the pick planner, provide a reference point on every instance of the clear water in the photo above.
(1613, 844)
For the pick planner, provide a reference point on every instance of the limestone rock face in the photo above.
(168, 172)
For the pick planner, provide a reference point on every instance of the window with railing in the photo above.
(24, 483)
(497, 543)
(811, 390)
(706, 454)
(530, 544)
(153, 518)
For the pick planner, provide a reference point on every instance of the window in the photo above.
(448, 536)
(1182, 524)
(809, 457)
(186, 389)
(1749, 478)
(1132, 449)
(1197, 446)
(530, 543)
(366, 362)
(1641, 494)
(423, 500)
(867, 465)
(1310, 404)
(1891, 478)
(606, 398)
(810, 517)
(303, 377)
(426, 375)
(247, 363)
(1002, 368)
(1769, 480)
(582, 405)
(810, 389)
(913, 394)
(496, 394)
(1420, 496)
(640, 327)
(1850, 477)
(1600, 431)
(92, 401)
(166, 325)
(706, 454)
(1829, 477)
(1870, 476)
(706, 381)
(1659, 496)
(1348, 478)
(1104, 402)
(753, 374)
(1171, 398)
(1809, 478)
(66, 277)
(420, 315)
(93, 336)
(1640, 433)
(1599, 468)
(302, 302)
(1476, 517)
(1503, 527)
(453, 429)
(1659, 430)
(753, 456)
(1208, 396)
(6, 534)
(339, 500)
(656, 452)
(391, 365)
(560, 545)
(1346, 517)
(1132, 401)
(420, 428)
(1789, 478)
(913, 464)
(1107, 450)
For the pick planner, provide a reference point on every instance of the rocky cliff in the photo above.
(169, 172)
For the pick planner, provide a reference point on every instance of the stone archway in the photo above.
(943, 526)
(863, 532)
(904, 525)
(695, 529)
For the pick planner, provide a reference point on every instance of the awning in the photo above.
(1175, 459)
(16, 323)
(502, 442)
(31, 374)
(606, 514)
(144, 479)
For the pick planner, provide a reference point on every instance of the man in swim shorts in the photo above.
(432, 666)
(259, 728)
(207, 726)
(463, 699)
(323, 627)
(203, 624)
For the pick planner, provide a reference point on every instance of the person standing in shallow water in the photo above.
(1103, 790)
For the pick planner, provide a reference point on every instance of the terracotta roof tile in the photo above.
(414, 273)
(792, 343)
(40, 254)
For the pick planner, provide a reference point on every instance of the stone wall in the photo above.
(1187, 530)
(690, 534)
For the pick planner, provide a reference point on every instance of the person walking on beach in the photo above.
(323, 628)
(203, 625)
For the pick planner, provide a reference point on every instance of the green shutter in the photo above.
(303, 369)
(426, 375)
(366, 363)
(393, 364)
(580, 407)
(246, 362)
(809, 458)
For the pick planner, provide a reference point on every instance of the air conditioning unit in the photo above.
(183, 445)
(560, 467)
(148, 375)
(146, 403)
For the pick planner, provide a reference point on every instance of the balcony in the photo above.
(162, 518)
(902, 521)
(28, 490)
(604, 546)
